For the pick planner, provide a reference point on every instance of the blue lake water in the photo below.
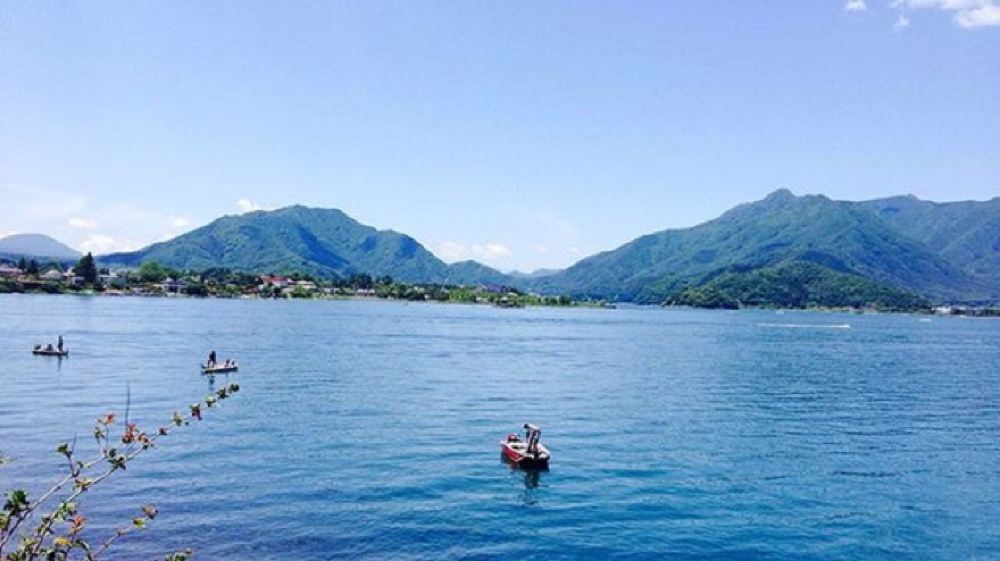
(369, 430)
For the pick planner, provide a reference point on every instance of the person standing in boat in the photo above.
(211, 359)
(60, 343)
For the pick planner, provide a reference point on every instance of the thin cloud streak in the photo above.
(965, 13)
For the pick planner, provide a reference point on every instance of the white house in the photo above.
(70, 277)
(171, 285)
(112, 279)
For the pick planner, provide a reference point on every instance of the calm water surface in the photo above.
(369, 430)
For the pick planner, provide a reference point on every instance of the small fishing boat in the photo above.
(49, 351)
(220, 368)
(528, 452)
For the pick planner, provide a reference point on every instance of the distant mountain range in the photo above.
(37, 246)
(782, 249)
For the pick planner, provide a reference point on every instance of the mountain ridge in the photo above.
(781, 227)
(948, 252)
(325, 242)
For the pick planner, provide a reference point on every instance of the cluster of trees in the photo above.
(30, 266)
(86, 268)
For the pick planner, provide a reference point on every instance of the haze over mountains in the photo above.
(36, 245)
(947, 252)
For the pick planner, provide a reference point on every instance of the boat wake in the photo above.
(807, 325)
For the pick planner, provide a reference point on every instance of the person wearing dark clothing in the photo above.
(60, 343)
(211, 359)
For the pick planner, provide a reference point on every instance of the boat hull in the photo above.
(42, 352)
(523, 458)
(223, 370)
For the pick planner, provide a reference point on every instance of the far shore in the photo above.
(314, 298)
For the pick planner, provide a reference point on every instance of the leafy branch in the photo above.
(56, 525)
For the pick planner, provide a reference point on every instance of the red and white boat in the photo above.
(528, 452)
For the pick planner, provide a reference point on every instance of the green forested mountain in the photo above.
(840, 236)
(324, 242)
(782, 250)
(965, 233)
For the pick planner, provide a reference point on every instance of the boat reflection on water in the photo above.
(532, 475)
(531, 478)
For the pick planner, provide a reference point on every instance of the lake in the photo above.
(370, 430)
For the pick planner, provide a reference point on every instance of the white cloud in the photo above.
(452, 251)
(966, 13)
(100, 244)
(541, 249)
(981, 16)
(855, 6)
(97, 226)
(902, 22)
(246, 205)
(83, 223)
(178, 221)
(491, 251)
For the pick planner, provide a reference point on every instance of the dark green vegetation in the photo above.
(36, 245)
(796, 284)
(86, 269)
(321, 242)
(838, 237)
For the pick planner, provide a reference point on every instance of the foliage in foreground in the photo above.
(51, 526)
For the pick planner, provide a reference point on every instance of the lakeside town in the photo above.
(154, 280)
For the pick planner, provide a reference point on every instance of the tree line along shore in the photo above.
(153, 279)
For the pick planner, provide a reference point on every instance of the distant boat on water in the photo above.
(49, 350)
(528, 452)
(224, 368)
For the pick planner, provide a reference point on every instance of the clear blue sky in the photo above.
(525, 134)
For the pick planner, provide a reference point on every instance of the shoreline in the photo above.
(974, 313)
(346, 298)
